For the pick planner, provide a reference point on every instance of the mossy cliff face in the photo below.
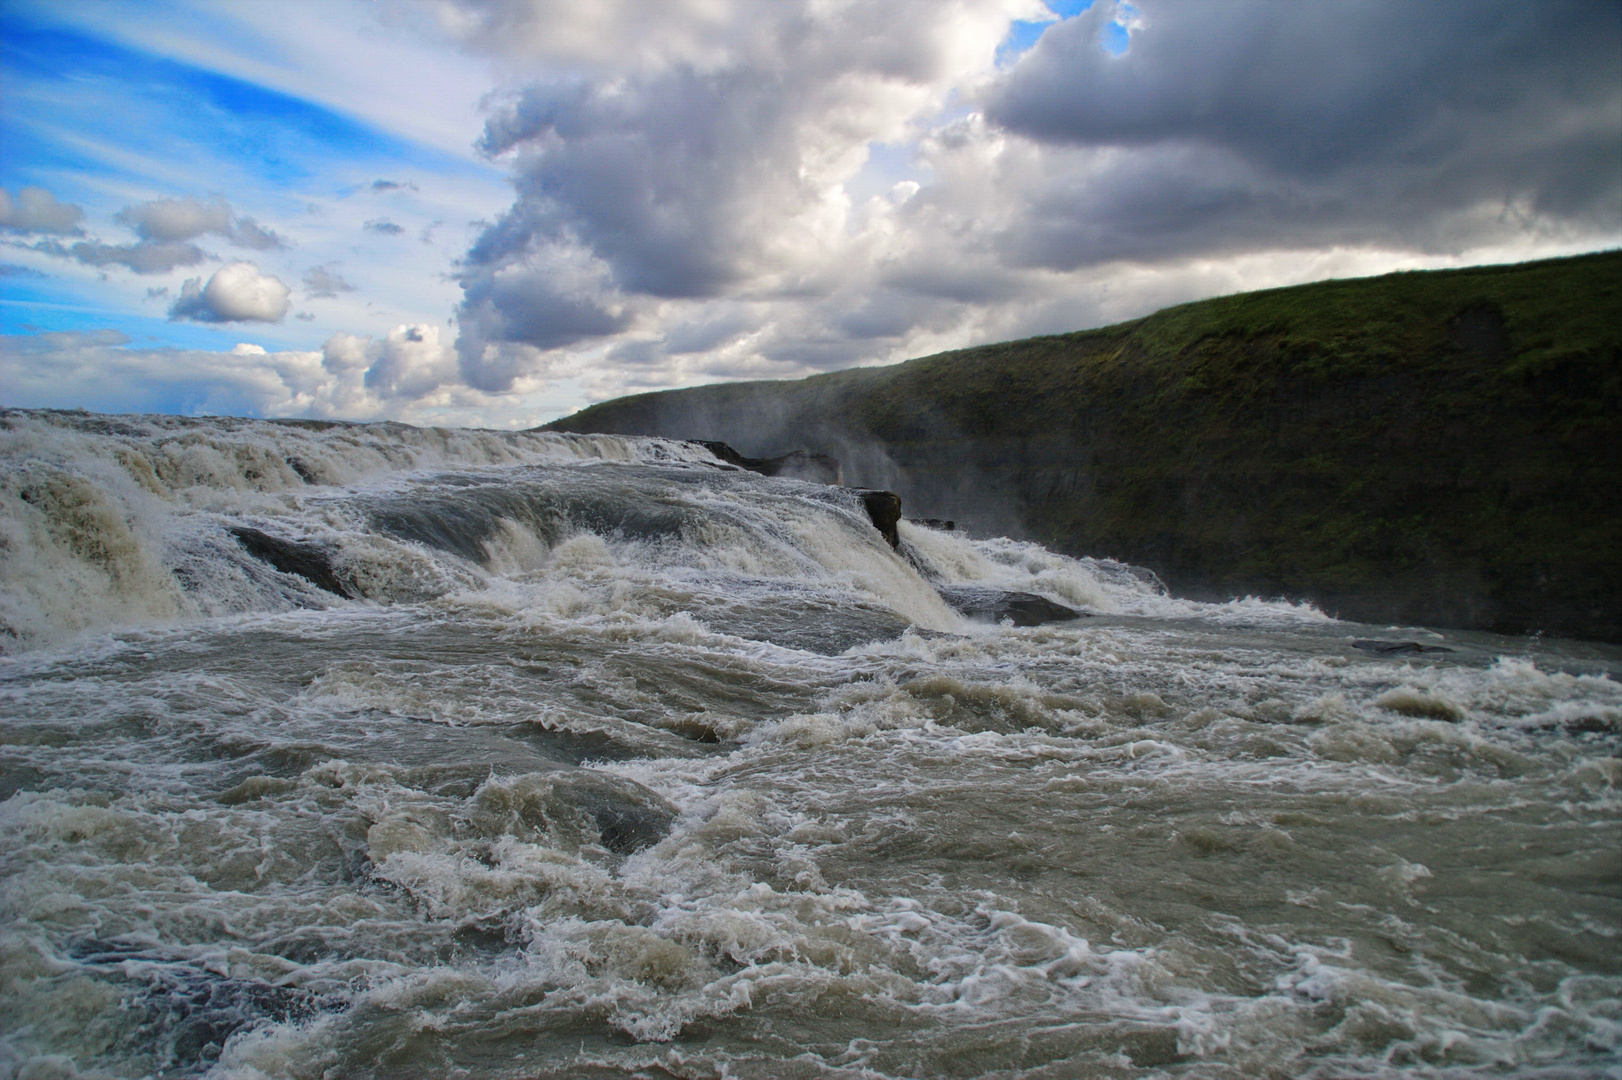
(1441, 448)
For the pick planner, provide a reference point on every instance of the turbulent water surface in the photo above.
(374, 751)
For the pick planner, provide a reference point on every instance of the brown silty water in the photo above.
(616, 762)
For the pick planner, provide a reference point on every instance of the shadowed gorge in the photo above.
(1439, 447)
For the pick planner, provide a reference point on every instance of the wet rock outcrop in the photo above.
(796, 464)
(998, 605)
(1397, 648)
(308, 561)
(884, 510)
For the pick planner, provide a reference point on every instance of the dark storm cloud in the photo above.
(1240, 125)
(644, 182)
(954, 279)
(816, 352)
(884, 314)
(524, 307)
(531, 311)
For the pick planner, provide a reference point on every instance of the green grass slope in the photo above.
(1438, 447)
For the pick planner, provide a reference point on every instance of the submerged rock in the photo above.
(569, 808)
(188, 1012)
(1022, 608)
(1397, 648)
(883, 507)
(312, 563)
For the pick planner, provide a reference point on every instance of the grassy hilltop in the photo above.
(1440, 447)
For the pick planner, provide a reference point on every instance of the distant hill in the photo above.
(1439, 447)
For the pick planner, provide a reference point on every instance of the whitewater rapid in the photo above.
(591, 756)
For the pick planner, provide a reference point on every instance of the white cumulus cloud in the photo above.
(237, 292)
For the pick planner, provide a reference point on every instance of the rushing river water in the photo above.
(374, 751)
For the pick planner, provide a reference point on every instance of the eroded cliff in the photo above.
(1439, 447)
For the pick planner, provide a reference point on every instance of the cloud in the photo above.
(146, 257)
(321, 282)
(702, 189)
(173, 220)
(511, 316)
(348, 378)
(165, 227)
(693, 157)
(701, 194)
(13, 270)
(409, 362)
(1254, 124)
(101, 372)
(35, 210)
(237, 292)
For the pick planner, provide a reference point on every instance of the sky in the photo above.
(495, 212)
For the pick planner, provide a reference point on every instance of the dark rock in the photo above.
(795, 465)
(1398, 648)
(627, 816)
(312, 563)
(1593, 725)
(934, 523)
(1023, 609)
(1148, 577)
(800, 465)
(884, 510)
(725, 453)
(572, 747)
(628, 829)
